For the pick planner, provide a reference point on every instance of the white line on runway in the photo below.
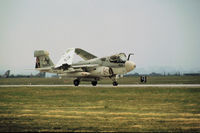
(109, 85)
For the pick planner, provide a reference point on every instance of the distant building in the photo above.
(40, 74)
(191, 74)
(155, 74)
(129, 75)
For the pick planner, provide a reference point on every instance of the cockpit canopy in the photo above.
(118, 58)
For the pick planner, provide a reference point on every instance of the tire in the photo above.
(76, 82)
(94, 83)
(115, 83)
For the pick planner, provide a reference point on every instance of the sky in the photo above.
(160, 33)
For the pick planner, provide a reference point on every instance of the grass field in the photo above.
(125, 80)
(99, 109)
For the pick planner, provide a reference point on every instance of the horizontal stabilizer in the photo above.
(44, 69)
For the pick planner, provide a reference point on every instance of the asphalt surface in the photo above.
(110, 85)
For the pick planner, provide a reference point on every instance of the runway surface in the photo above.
(109, 85)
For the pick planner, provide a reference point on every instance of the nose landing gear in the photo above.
(114, 79)
(115, 83)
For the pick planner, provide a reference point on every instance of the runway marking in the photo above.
(109, 85)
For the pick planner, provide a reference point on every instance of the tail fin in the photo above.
(7, 73)
(42, 59)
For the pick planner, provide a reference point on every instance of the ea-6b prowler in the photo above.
(91, 69)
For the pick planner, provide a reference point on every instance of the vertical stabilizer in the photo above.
(7, 74)
(42, 59)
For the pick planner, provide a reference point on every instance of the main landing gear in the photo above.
(94, 83)
(76, 82)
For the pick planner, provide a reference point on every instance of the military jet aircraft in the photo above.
(6, 74)
(91, 68)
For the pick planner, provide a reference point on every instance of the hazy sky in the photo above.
(159, 32)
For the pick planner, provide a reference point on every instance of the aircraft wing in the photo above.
(66, 58)
(78, 68)
(86, 66)
(84, 54)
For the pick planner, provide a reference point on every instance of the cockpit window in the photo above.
(122, 57)
(118, 58)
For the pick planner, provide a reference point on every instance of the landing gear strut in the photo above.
(76, 82)
(94, 83)
(114, 79)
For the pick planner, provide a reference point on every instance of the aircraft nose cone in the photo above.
(129, 65)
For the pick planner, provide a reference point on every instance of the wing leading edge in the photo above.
(84, 54)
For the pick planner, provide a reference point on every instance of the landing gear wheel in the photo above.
(94, 83)
(76, 82)
(115, 83)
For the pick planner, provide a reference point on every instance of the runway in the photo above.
(109, 85)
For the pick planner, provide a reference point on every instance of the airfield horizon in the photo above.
(119, 86)
(121, 81)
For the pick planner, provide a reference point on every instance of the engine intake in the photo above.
(102, 71)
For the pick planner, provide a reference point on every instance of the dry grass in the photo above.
(99, 109)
